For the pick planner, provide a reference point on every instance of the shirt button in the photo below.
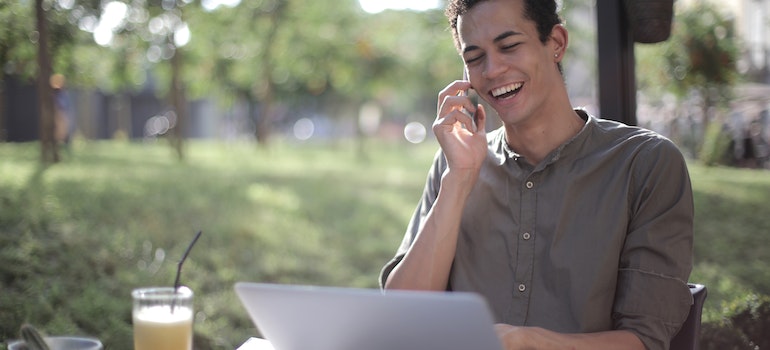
(522, 287)
(526, 236)
(530, 184)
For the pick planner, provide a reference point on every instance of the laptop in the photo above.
(297, 317)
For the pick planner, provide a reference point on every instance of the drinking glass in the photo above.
(163, 318)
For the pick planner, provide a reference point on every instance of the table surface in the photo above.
(256, 344)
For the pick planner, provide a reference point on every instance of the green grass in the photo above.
(732, 234)
(76, 237)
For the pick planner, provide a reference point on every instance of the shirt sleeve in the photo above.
(429, 194)
(652, 298)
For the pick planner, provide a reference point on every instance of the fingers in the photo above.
(453, 89)
(457, 109)
(456, 88)
(454, 106)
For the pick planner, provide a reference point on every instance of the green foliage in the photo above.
(744, 326)
(17, 52)
(699, 56)
(289, 52)
(19, 37)
(697, 65)
(321, 50)
(703, 52)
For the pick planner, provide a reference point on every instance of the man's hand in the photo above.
(517, 338)
(463, 139)
(535, 338)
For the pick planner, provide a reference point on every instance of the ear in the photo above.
(558, 41)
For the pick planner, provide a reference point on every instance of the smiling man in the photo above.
(577, 230)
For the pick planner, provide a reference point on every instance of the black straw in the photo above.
(179, 267)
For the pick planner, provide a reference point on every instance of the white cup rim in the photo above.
(85, 342)
(161, 292)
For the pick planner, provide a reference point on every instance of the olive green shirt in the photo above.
(596, 237)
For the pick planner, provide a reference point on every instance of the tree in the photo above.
(272, 53)
(38, 39)
(281, 52)
(47, 46)
(49, 147)
(706, 60)
(699, 61)
(177, 96)
(18, 51)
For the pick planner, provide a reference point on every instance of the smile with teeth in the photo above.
(506, 91)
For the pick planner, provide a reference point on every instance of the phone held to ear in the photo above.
(472, 95)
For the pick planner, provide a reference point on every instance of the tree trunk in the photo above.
(49, 147)
(266, 93)
(179, 102)
(705, 117)
(707, 104)
(264, 119)
(3, 127)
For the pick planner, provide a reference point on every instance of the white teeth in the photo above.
(505, 89)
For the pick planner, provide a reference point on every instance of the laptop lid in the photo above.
(295, 317)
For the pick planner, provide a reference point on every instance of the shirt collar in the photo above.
(502, 152)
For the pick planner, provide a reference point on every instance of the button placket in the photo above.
(525, 250)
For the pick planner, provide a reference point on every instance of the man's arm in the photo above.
(652, 296)
(427, 263)
(531, 338)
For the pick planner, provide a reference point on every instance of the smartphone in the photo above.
(471, 93)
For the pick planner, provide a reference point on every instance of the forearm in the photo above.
(427, 263)
(518, 338)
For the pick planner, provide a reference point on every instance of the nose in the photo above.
(494, 65)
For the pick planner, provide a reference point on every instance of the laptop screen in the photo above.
(295, 317)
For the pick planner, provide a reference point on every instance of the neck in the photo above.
(538, 137)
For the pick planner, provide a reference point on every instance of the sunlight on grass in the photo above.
(116, 215)
(262, 193)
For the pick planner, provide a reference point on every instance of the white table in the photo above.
(256, 344)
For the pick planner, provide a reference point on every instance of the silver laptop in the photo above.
(294, 317)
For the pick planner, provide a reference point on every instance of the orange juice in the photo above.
(157, 328)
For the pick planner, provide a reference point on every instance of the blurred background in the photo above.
(296, 135)
(247, 70)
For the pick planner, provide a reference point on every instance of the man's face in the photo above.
(508, 65)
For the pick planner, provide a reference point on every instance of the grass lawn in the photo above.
(76, 237)
(732, 233)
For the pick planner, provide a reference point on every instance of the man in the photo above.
(576, 230)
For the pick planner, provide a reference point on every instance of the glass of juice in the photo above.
(163, 318)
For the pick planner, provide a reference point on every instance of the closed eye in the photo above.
(510, 47)
(473, 59)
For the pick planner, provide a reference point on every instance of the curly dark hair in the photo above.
(542, 12)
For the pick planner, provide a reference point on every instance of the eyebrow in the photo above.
(498, 38)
